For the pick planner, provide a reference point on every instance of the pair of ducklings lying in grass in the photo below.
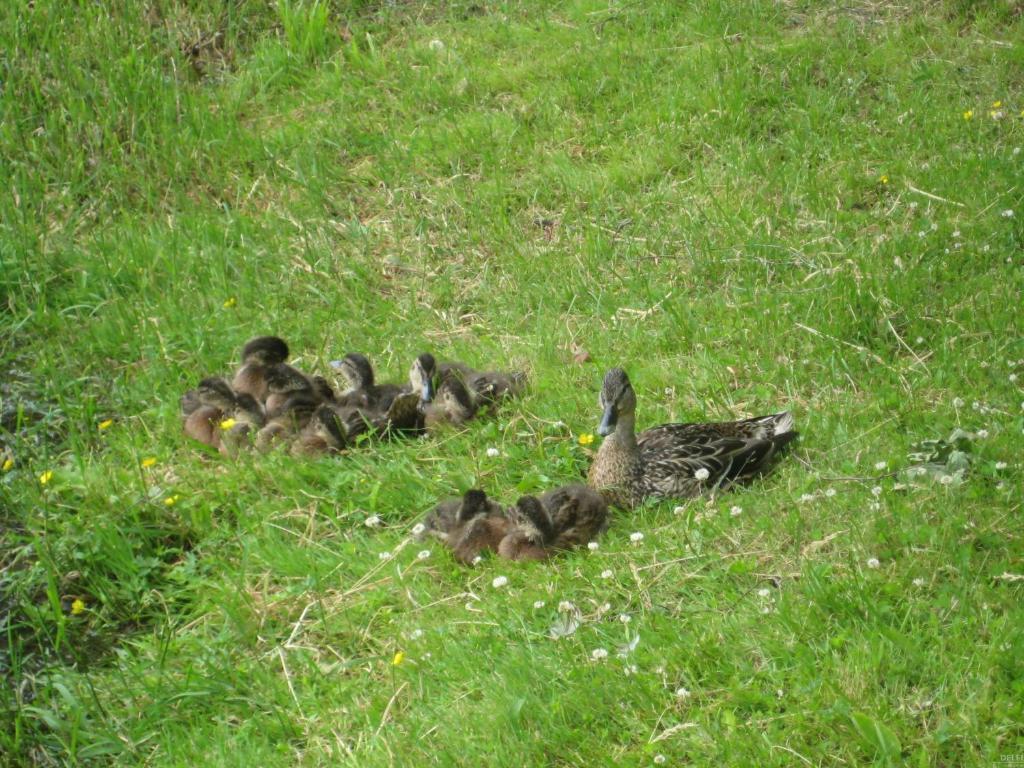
(268, 402)
(533, 528)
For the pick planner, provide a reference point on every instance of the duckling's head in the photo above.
(249, 404)
(283, 378)
(421, 376)
(474, 502)
(216, 392)
(265, 350)
(454, 397)
(326, 423)
(355, 370)
(617, 398)
(535, 520)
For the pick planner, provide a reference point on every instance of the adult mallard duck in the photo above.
(677, 460)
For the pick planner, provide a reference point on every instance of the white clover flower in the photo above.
(1007, 214)
(476, 560)
(958, 402)
(682, 693)
(681, 510)
(873, 562)
(805, 497)
(636, 536)
(1000, 465)
(702, 474)
(780, 693)
(830, 492)
(659, 759)
(1013, 378)
(946, 479)
(423, 554)
(416, 634)
(630, 669)
(607, 574)
(1016, 151)
(593, 546)
(384, 555)
(956, 233)
(766, 609)
(373, 521)
(499, 582)
(764, 592)
(912, 205)
(918, 582)
(919, 340)
(981, 434)
(598, 653)
(876, 491)
(538, 604)
(880, 465)
(436, 45)
(418, 529)
(736, 511)
(566, 607)
(874, 506)
(625, 618)
(606, 607)
(493, 453)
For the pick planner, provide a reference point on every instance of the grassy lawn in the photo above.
(751, 206)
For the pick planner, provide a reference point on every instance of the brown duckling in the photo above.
(469, 526)
(218, 416)
(452, 403)
(257, 355)
(487, 387)
(291, 418)
(283, 382)
(560, 519)
(530, 533)
(362, 391)
(325, 433)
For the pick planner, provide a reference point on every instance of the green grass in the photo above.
(750, 206)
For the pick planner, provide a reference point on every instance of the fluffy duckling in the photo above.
(291, 418)
(210, 407)
(452, 404)
(469, 526)
(677, 460)
(362, 391)
(487, 387)
(283, 382)
(530, 532)
(257, 355)
(560, 519)
(325, 433)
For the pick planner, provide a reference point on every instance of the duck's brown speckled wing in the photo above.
(673, 455)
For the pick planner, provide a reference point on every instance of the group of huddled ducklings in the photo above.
(268, 403)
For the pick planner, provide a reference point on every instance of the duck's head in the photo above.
(617, 397)
(249, 404)
(326, 423)
(421, 376)
(298, 407)
(322, 388)
(265, 350)
(355, 370)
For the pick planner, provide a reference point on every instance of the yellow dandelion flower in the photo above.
(170, 501)
(106, 424)
(968, 114)
(399, 658)
(230, 303)
(586, 439)
(227, 424)
(45, 477)
(78, 606)
(8, 464)
(147, 462)
(996, 104)
(884, 179)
